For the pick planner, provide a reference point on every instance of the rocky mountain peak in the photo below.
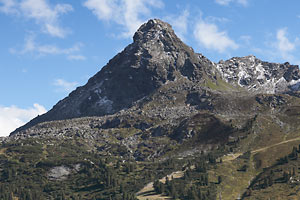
(157, 38)
(153, 29)
(250, 59)
(259, 76)
(156, 57)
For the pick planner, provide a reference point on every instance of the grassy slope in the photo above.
(269, 140)
(271, 136)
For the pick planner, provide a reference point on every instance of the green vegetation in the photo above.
(27, 173)
(282, 178)
(26, 166)
(25, 169)
(221, 85)
(194, 184)
(216, 155)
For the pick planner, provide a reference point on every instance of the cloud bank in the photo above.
(127, 13)
(13, 117)
(209, 36)
(44, 14)
(31, 46)
(64, 86)
(227, 2)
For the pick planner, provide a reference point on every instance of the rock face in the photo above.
(259, 76)
(59, 173)
(155, 57)
(158, 59)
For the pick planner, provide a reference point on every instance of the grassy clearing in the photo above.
(234, 182)
(148, 191)
(221, 85)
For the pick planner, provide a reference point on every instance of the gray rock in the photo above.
(258, 76)
(59, 173)
(156, 57)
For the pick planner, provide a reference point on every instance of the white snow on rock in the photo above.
(255, 75)
(106, 103)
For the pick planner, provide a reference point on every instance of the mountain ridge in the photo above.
(260, 76)
(158, 107)
(156, 56)
(138, 70)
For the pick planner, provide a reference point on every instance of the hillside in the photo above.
(155, 109)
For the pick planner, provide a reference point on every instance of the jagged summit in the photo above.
(153, 29)
(157, 32)
(259, 76)
(155, 57)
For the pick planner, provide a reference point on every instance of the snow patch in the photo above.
(106, 103)
(255, 75)
(295, 84)
(98, 91)
(260, 71)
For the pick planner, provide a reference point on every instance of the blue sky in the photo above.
(48, 48)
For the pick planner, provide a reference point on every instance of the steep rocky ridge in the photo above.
(158, 87)
(155, 57)
(259, 76)
(163, 87)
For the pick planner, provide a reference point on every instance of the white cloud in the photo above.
(76, 57)
(13, 117)
(64, 86)
(246, 39)
(283, 44)
(8, 7)
(126, 13)
(45, 15)
(243, 2)
(227, 2)
(179, 23)
(284, 47)
(223, 2)
(42, 12)
(209, 36)
(281, 47)
(213, 19)
(30, 46)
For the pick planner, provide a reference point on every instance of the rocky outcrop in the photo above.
(60, 173)
(259, 76)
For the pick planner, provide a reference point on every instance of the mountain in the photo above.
(259, 76)
(155, 57)
(159, 108)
